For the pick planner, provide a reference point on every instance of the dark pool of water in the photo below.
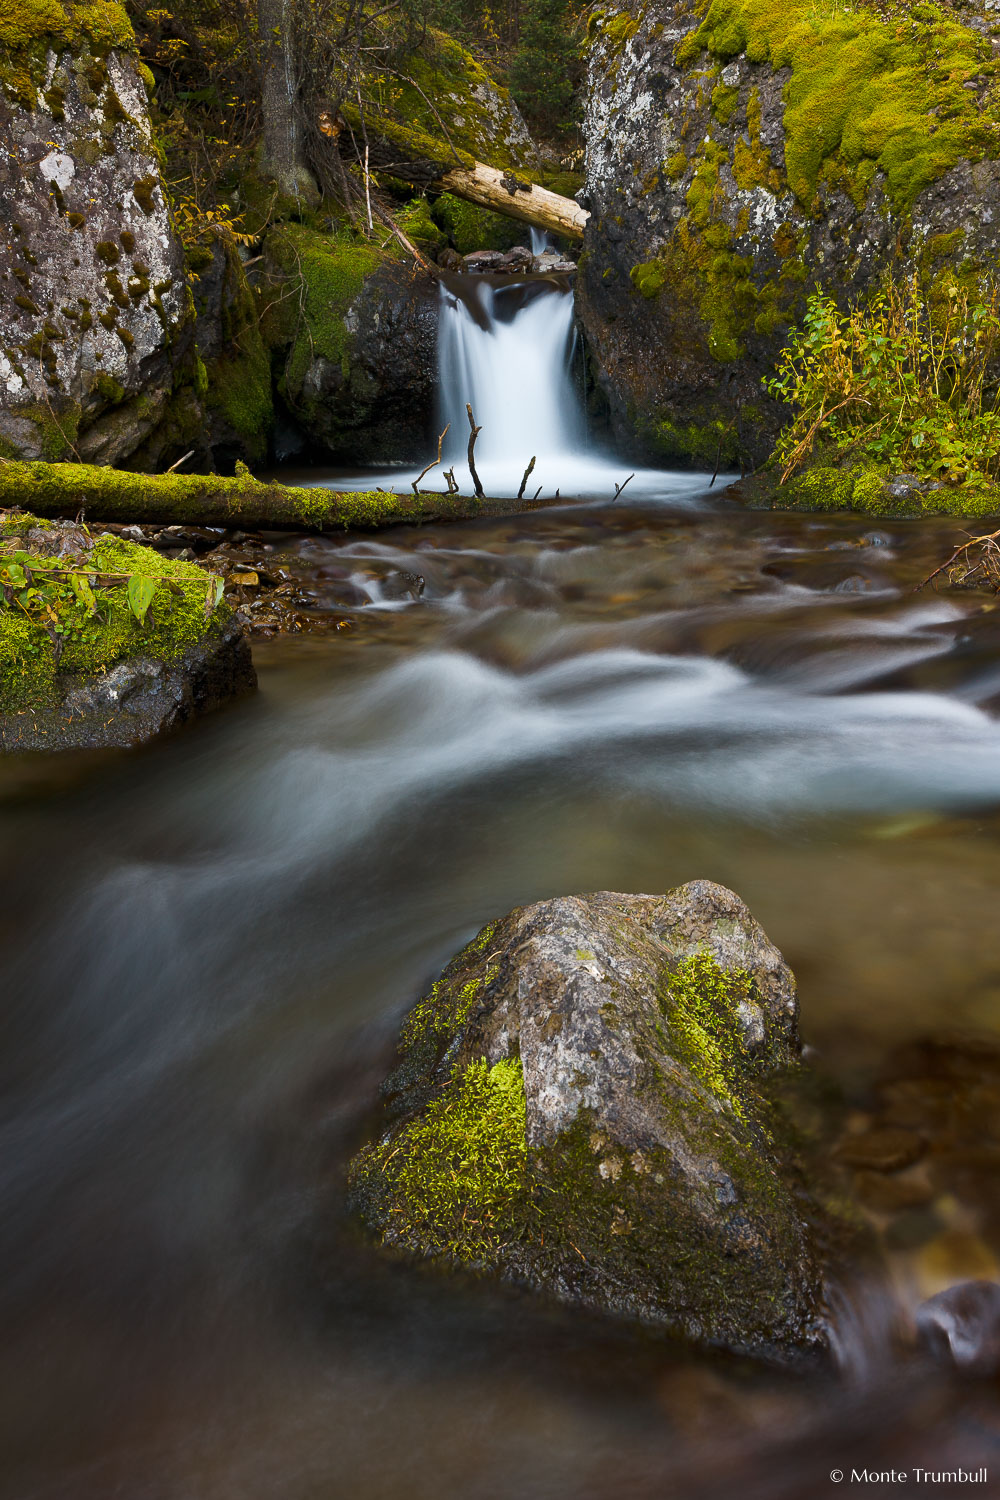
(206, 947)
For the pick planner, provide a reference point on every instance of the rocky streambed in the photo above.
(208, 986)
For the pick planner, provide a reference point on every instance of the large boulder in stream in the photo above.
(739, 154)
(104, 643)
(580, 1105)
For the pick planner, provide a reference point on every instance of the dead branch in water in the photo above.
(474, 433)
(620, 487)
(524, 478)
(450, 479)
(432, 465)
(988, 564)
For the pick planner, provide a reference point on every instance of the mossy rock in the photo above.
(864, 488)
(86, 672)
(581, 1104)
(742, 152)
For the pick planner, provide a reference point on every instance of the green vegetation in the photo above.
(905, 383)
(701, 1003)
(866, 92)
(455, 1176)
(81, 615)
(29, 29)
(545, 65)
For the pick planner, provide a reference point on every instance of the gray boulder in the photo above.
(580, 1105)
(96, 328)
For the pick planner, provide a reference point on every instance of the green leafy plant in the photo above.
(62, 599)
(906, 382)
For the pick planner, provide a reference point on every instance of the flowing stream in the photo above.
(207, 947)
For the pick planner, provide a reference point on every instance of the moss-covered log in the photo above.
(118, 495)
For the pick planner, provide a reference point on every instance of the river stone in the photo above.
(580, 1105)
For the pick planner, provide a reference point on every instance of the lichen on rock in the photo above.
(581, 1104)
(95, 310)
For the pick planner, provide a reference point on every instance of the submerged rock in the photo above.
(580, 1106)
(78, 669)
(961, 1326)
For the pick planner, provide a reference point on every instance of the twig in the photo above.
(620, 487)
(473, 434)
(180, 461)
(432, 465)
(537, 493)
(524, 481)
(976, 541)
(451, 481)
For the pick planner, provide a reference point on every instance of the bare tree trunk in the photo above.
(282, 155)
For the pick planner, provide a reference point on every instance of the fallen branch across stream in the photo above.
(118, 495)
(987, 564)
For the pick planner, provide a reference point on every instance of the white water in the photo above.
(510, 350)
(520, 372)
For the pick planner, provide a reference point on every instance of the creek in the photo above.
(207, 947)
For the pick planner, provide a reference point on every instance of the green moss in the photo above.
(863, 90)
(650, 278)
(454, 1178)
(415, 220)
(725, 101)
(330, 271)
(752, 166)
(470, 227)
(30, 29)
(701, 1003)
(94, 642)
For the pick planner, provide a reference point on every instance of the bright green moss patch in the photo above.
(330, 270)
(701, 1003)
(863, 89)
(453, 1178)
(30, 29)
(470, 227)
(78, 617)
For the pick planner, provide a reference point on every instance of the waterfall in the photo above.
(507, 351)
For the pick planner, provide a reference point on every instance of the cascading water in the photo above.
(506, 347)
(507, 352)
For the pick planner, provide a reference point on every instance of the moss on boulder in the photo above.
(581, 1104)
(78, 666)
(741, 152)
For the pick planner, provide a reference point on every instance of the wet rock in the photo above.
(552, 261)
(709, 227)
(961, 1326)
(518, 259)
(449, 259)
(483, 260)
(402, 585)
(581, 1105)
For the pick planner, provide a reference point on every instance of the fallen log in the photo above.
(118, 495)
(436, 165)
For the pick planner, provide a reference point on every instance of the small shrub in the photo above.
(903, 383)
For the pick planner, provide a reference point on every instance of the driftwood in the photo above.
(620, 487)
(117, 495)
(472, 450)
(438, 165)
(987, 565)
(527, 472)
(432, 465)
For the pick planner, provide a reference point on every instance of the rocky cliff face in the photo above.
(95, 312)
(741, 151)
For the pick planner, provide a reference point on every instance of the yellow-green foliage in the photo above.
(907, 381)
(700, 1003)
(455, 1175)
(29, 29)
(98, 627)
(863, 89)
